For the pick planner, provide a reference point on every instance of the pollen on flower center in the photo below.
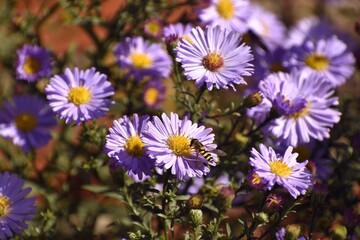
(317, 61)
(4, 205)
(213, 62)
(225, 8)
(79, 95)
(304, 111)
(134, 146)
(140, 60)
(31, 65)
(153, 27)
(25, 122)
(151, 95)
(280, 169)
(180, 145)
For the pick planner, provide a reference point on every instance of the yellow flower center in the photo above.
(31, 65)
(141, 60)
(256, 180)
(79, 95)
(213, 62)
(134, 146)
(25, 122)
(153, 27)
(4, 205)
(317, 61)
(280, 169)
(225, 8)
(303, 112)
(151, 95)
(180, 145)
(277, 67)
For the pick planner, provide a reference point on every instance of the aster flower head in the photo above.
(153, 27)
(79, 95)
(125, 146)
(326, 57)
(15, 208)
(168, 140)
(173, 32)
(154, 93)
(266, 26)
(229, 14)
(27, 120)
(214, 57)
(143, 58)
(282, 170)
(305, 103)
(33, 62)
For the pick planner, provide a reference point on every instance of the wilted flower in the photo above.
(27, 120)
(168, 141)
(33, 62)
(143, 58)
(125, 146)
(229, 14)
(282, 170)
(15, 209)
(79, 95)
(214, 57)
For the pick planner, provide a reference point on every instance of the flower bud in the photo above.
(253, 99)
(261, 218)
(338, 232)
(242, 140)
(196, 217)
(292, 232)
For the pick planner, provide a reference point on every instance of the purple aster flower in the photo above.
(33, 63)
(27, 120)
(229, 14)
(154, 93)
(15, 209)
(305, 104)
(329, 58)
(79, 95)
(282, 170)
(267, 26)
(143, 58)
(214, 57)
(125, 146)
(168, 140)
(173, 32)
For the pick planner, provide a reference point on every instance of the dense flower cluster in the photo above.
(231, 105)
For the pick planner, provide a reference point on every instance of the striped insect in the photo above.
(199, 148)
